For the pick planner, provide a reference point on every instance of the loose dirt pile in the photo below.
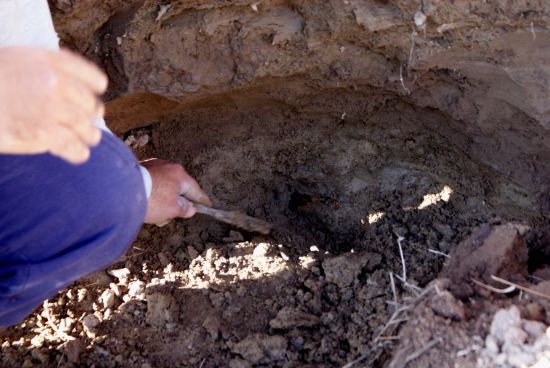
(375, 136)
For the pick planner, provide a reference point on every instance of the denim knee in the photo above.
(61, 222)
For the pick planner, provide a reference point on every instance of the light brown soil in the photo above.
(295, 112)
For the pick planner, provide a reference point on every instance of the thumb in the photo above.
(186, 207)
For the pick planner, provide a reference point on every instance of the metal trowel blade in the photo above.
(235, 218)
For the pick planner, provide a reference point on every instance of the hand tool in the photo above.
(235, 218)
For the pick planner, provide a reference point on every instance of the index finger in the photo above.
(80, 68)
(191, 190)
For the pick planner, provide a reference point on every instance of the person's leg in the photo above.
(59, 222)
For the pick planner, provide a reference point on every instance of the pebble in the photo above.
(289, 317)
(73, 349)
(81, 294)
(491, 344)
(343, 270)
(284, 256)
(234, 237)
(192, 252)
(116, 289)
(122, 274)
(261, 250)
(136, 289)
(163, 259)
(90, 322)
(161, 309)
(521, 359)
(38, 341)
(212, 326)
(503, 320)
(66, 324)
(262, 349)
(307, 261)
(534, 328)
(108, 299)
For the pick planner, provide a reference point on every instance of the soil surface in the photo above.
(398, 148)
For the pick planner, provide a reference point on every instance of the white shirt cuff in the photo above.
(147, 181)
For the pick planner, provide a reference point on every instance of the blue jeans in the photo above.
(59, 222)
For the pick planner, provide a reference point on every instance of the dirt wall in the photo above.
(484, 64)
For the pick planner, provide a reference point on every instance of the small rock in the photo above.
(521, 359)
(212, 326)
(161, 309)
(121, 274)
(99, 278)
(504, 320)
(444, 229)
(116, 289)
(136, 289)
(289, 317)
(514, 336)
(284, 256)
(375, 16)
(344, 269)
(491, 344)
(108, 299)
(534, 328)
(420, 19)
(90, 322)
(38, 341)
(66, 324)
(307, 261)
(234, 237)
(163, 259)
(297, 342)
(445, 305)
(181, 255)
(535, 312)
(192, 253)
(261, 250)
(261, 349)
(81, 294)
(73, 349)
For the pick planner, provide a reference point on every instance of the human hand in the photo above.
(48, 101)
(173, 189)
